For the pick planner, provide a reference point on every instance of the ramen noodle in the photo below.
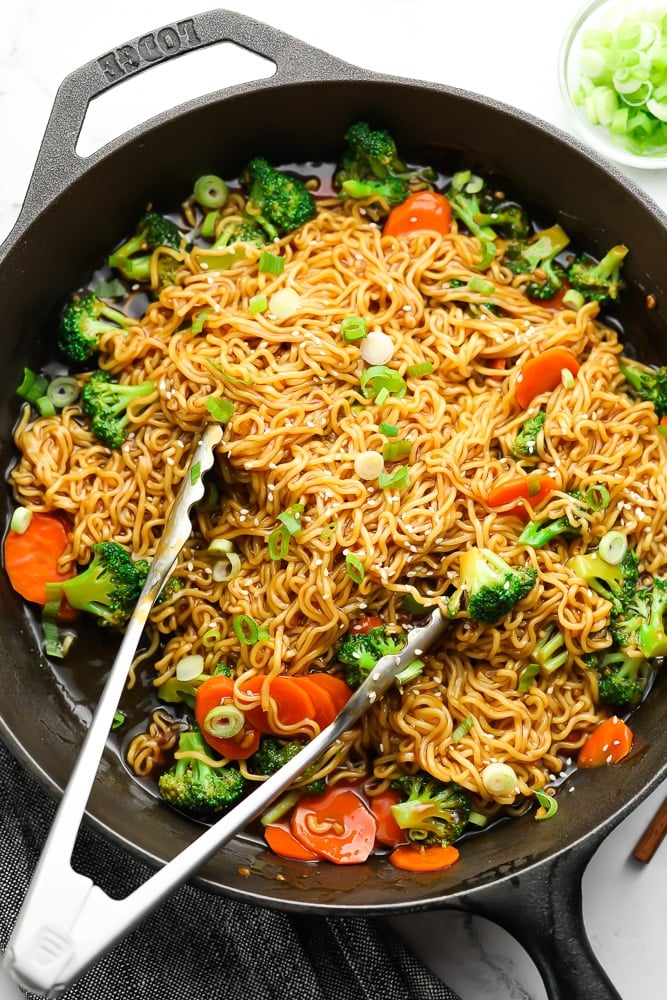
(296, 441)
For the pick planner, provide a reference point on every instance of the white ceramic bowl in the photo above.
(577, 65)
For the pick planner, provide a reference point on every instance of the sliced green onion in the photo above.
(220, 545)
(214, 366)
(597, 497)
(55, 642)
(567, 378)
(613, 547)
(118, 720)
(278, 809)
(389, 430)
(195, 473)
(399, 479)
(258, 304)
(227, 568)
(63, 391)
(463, 729)
(246, 630)
(328, 530)
(20, 521)
(220, 409)
(368, 465)
(190, 667)
(278, 543)
(353, 328)
(33, 386)
(382, 396)
(409, 672)
(292, 518)
(573, 299)
(271, 263)
(378, 348)
(499, 779)
(548, 805)
(209, 225)
(379, 378)
(210, 637)
(478, 819)
(481, 285)
(424, 368)
(284, 303)
(527, 676)
(199, 320)
(534, 485)
(45, 407)
(396, 449)
(412, 606)
(210, 191)
(354, 568)
(224, 721)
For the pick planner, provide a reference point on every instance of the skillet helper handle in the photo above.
(58, 163)
(542, 909)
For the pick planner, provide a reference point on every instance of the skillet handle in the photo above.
(58, 164)
(542, 909)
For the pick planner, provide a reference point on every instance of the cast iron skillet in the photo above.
(524, 875)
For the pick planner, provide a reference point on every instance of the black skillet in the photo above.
(524, 875)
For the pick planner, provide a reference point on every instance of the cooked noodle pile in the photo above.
(300, 419)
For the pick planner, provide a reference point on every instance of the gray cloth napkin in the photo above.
(203, 946)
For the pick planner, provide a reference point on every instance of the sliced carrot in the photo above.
(255, 716)
(337, 825)
(388, 833)
(32, 556)
(282, 841)
(323, 703)
(336, 686)
(543, 373)
(413, 858)
(362, 626)
(291, 699)
(423, 210)
(216, 691)
(533, 489)
(609, 743)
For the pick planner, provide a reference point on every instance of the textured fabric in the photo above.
(199, 945)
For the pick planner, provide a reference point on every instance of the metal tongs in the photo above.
(67, 922)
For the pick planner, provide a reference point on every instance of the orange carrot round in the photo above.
(388, 832)
(337, 825)
(217, 691)
(413, 858)
(543, 373)
(282, 841)
(423, 210)
(533, 489)
(609, 743)
(32, 557)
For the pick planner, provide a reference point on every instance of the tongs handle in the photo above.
(56, 889)
(67, 922)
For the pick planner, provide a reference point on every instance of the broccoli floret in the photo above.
(550, 651)
(647, 383)
(598, 281)
(651, 631)
(370, 165)
(432, 812)
(466, 194)
(194, 787)
(492, 585)
(106, 402)
(272, 754)
(539, 254)
(172, 587)
(110, 585)
(616, 582)
(507, 218)
(245, 231)
(360, 651)
(82, 323)
(277, 202)
(622, 677)
(133, 258)
(540, 533)
(525, 443)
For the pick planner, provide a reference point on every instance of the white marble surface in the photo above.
(475, 46)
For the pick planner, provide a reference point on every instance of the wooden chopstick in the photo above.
(652, 837)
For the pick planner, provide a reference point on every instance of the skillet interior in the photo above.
(42, 716)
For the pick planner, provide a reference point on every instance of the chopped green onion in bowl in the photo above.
(613, 79)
